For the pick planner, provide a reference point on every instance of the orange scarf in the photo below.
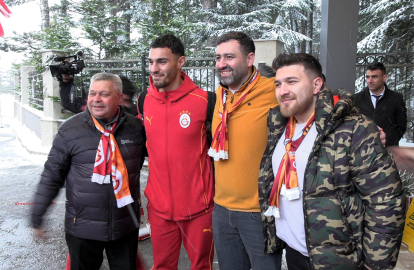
(109, 162)
(220, 146)
(286, 180)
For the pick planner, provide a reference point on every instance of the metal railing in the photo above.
(201, 70)
(400, 69)
(36, 91)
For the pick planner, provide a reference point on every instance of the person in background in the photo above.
(77, 104)
(266, 71)
(384, 106)
(128, 90)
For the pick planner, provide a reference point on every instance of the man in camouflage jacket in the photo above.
(352, 197)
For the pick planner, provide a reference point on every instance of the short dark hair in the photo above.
(309, 62)
(377, 65)
(128, 88)
(245, 42)
(169, 41)
(266, 71)
(323, 78)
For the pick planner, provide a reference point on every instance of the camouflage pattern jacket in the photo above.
(353, 199)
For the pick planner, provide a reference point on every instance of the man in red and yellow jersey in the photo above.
(239, 130)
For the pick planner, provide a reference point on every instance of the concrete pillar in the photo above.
(52, 110)
(267, 50)
(25, 72)
(50, 87)
(338, 46)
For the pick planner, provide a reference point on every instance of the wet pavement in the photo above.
(20, 173)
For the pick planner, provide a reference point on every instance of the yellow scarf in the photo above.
(220, 146)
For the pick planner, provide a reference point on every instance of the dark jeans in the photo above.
(238, 238)
(296, 260)
(88, 254)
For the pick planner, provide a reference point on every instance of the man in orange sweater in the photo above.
(244, 98)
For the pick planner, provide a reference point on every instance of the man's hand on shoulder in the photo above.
(383, 136)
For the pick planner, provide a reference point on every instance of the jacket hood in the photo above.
(329, 115)
(173, 96)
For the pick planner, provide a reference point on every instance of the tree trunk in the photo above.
(113, 28)
(207, 4)
(127, 27)
(64, 4)
(303, 30)
(44, 12)
(310, 28)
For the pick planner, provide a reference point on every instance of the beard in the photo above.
(160, 82)
(236, 75)
(296, 107)
(165, 79)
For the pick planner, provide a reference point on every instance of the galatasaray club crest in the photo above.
(185, 119)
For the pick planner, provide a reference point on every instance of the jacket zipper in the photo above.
(311, 156)
(120, 120)
(168, 164)
(110, 211)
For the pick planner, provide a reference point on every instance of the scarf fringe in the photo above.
(283, 190)
(218, 155)
(121, 202)
(101, 179)
(292, 194)
(272, 211)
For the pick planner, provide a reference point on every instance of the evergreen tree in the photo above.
(386, 26)
(101, 21)
(56, 36)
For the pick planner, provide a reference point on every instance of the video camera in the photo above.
(67, 67)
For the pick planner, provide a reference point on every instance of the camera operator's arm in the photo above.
(65, 86)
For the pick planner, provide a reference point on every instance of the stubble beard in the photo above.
(235, 77)
(296, 108)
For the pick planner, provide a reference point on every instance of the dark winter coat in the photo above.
(353, 199)
(91, 208)
(68, 100)
(390, 113)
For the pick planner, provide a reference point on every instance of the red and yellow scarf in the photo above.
(286, 180)
(220, 146)
(109, 162)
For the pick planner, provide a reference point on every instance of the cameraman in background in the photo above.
(71, 102)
